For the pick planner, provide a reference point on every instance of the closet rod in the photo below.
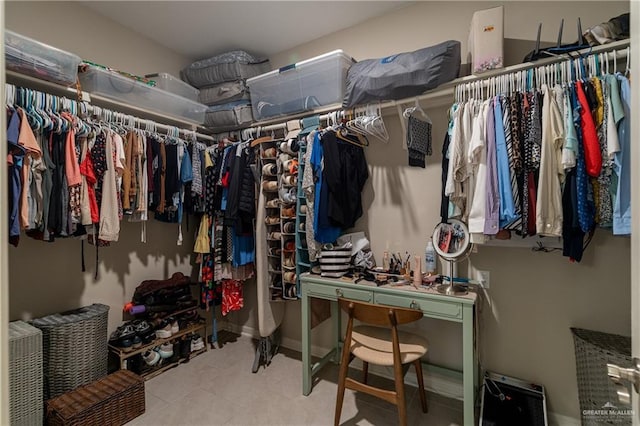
(279, 126)
(443, 94)
(55, 89)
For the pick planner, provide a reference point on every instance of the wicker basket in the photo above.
(75, 348)
(112, 400)
(25, 374)
(596, 391)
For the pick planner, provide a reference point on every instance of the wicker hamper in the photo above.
(112, 400)
(596, 391)
(75, 348)
(25, 374)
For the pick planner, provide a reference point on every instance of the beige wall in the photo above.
(46, 278)
(534, 298)
(77, 29)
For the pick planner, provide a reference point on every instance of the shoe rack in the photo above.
(124, 356)
(302, 253)
(273, 221)
(288, 179)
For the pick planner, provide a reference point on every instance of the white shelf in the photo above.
(164, 121)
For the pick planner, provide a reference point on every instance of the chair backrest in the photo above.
(369, 313)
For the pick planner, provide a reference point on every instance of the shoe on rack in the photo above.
(149, 337)
(175, 328)
(141, 327)
(165, 350)
(125, 332)
(289, 212)
(272, 220)
(270, 169)
(151, 357)
(136, 342)
(176, 352)
(196, 343)
(164, 330)
(269, 153)
(289, 227)
(275, 251)
(272, 204)
(185, 348)
(126, 344)
(270, 185)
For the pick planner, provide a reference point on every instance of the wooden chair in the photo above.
(378, 341)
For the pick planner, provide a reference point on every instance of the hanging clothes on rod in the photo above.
(542, 151)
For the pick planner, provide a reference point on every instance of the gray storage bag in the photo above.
(224, 92)
(230, 66)
(232, 114)
(402, 75)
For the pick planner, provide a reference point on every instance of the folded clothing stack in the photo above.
(222, 83)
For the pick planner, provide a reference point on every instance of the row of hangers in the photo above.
(53, 113)
(574, 69)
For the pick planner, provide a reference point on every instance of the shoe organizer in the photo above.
(30, 57)
(300, 87)
(118, 87)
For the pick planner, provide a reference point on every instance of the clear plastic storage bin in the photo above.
(30, 57)
(172, 84)
(112, 85)
(300, 87)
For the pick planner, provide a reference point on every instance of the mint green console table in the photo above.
(434, 305)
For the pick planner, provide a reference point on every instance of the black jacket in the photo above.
(346, 171)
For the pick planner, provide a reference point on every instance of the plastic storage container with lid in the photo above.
(172, 84)
(31, 57)
(302, 86)
(112, 85)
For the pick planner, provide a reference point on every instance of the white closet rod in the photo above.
(54, 88)
(442, 95)
(563, 68)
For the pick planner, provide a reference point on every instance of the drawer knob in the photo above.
(338, 292)
(414, 305)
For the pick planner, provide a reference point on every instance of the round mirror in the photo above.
(452, 242)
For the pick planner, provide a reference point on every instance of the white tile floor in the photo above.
(218, 388)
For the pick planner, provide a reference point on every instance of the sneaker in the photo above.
(136, 342)
(197, 343)
(165, 350)
(164, 331)
(175, 328)
(125, 332)
(141, 327)
(151, 357)
(126, 345)
(148, 338)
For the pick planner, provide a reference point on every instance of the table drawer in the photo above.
(333, 292)
(431, 308)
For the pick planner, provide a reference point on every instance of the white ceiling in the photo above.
(199, 29)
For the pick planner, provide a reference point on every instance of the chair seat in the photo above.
(374, 345)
